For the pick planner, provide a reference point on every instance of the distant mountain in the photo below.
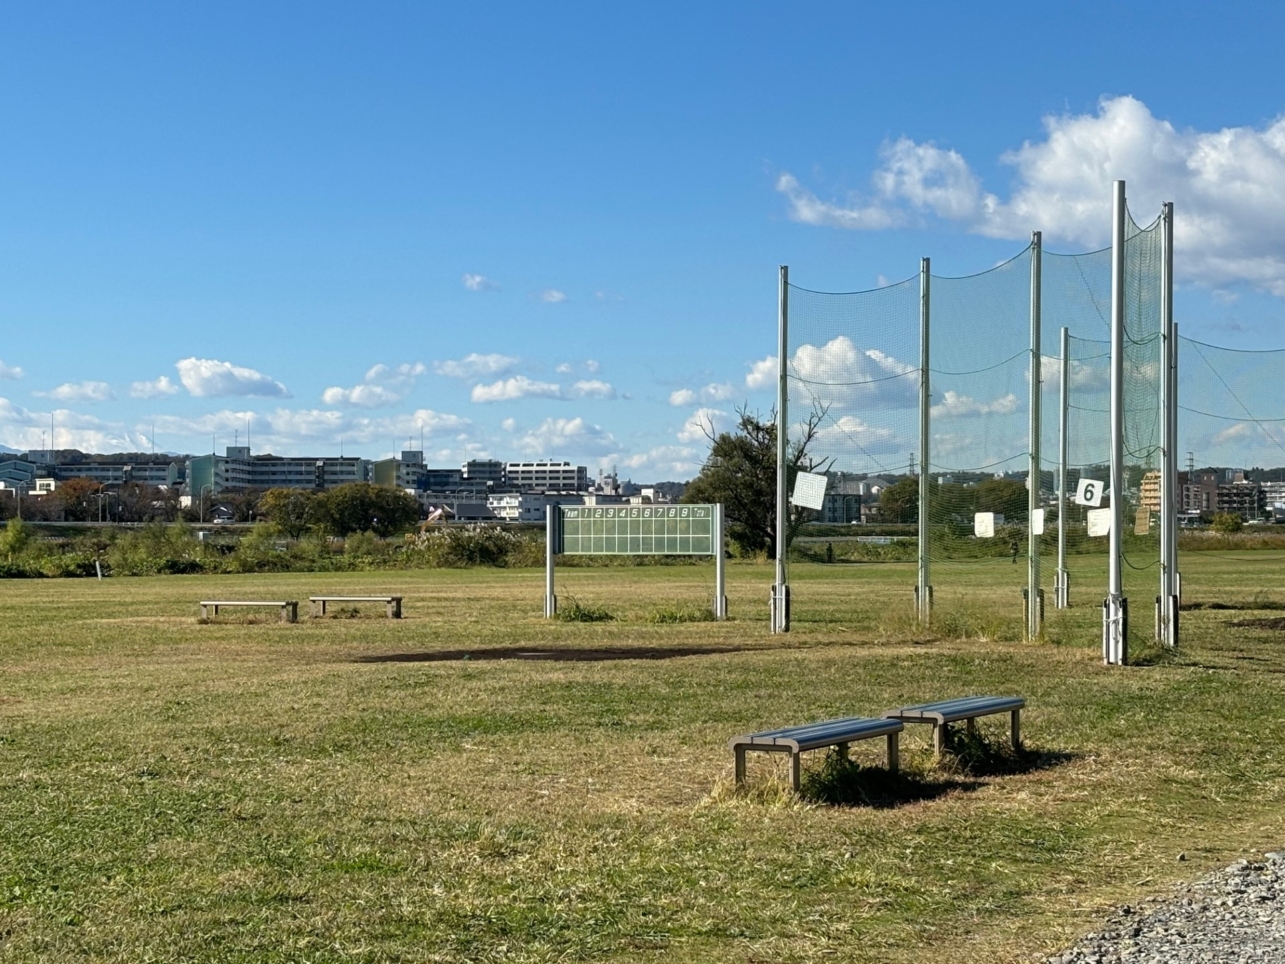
(8, 451)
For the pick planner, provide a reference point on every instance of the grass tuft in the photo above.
(573, 612)
(681, 614)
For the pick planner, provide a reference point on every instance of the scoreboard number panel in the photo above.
(675, 530)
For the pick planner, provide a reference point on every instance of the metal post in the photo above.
(1063, 591)
(1034, 504)
(1169, 444)
(922, 589)
(1114, 640)
(720, 566)
(551, 520)
(780, 589)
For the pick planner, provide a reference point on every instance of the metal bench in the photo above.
(967, 708)
(392, 603)
(289, 607)
(794, 740)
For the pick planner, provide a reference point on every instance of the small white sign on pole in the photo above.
(1089, 492)
(809, 490)
(984, 525)
(1099, 521)
(1037, 522)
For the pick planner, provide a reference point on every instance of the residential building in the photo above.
(238, 469)
(547, 476)
(1244, 499)
(1149, 492)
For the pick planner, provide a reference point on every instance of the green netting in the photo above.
(853, 370)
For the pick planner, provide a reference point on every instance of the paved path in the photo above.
(1233, 916)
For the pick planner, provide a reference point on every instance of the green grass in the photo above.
(477, 783)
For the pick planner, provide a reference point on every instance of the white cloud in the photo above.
(10, 371)
(564, 368)
(157, 388)
(381, 385)
(552, 296)
(517, 387)
(592, 366)
(475, 365)
(663, 463)
(846, 429)
(286, 430)
(593, 388)
(956, 405)
(208, 378)
(479, 282)
(762, 373)
(79, 392)
(23, 429)
(509, 424)
(703, 423)
(1228, 186)
(840, 373)
(568, 435)
(714, 392)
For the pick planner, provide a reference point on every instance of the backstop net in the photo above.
(854, 363)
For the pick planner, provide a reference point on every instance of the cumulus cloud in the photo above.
(509, 424)
(592, 366)
(1228, 186)
(714, 392)
(840, 373)
(564, 368)
(79, 392)
(762, 373)
(518, 386)
(9, 371)
(479, 282)
(703, 423)
(24, 429)
(552, 296)
(873, 439)
(157, 388)
(209, 378)
(957, 405)
(567, 435)
(475, 365)
(663, 462)
(286, 430)
(593, 388)
(382, 385)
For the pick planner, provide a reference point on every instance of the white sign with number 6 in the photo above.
(1089, 493)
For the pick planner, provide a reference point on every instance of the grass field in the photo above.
(474, 783)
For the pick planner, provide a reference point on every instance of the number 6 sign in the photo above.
(1089, 493)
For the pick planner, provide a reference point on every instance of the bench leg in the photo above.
(842, 750)
(1017, 730)
(290, 613)
(894, 752)
(740, 765)
(970, 726)
(939, 739)
(796, 760)
(204, 612)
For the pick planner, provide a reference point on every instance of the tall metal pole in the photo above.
(1034, 503)
(1063, 590)
(720, 565)
(1166, 624)
(780, 589)
(923, 588)
(1114, 629)
(551, 520)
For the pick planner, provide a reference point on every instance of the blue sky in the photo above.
(553, 230)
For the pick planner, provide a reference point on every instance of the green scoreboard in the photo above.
(671, 530)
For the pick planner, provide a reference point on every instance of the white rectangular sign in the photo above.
(809, 490)
(1099, 522)
(984, 525)
(1037, 522)
(1089, 492)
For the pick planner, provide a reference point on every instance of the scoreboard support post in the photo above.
(551, 547)
(720, 564)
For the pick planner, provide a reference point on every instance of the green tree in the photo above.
(1225, 522)
(899, 502)
(291, 512)
(362, 507)
(14, 539)
(740, 472)
(1005, 496)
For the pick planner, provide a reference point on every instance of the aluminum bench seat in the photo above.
(289, 607)
(795, 740)
(967, 708)
(393, 604)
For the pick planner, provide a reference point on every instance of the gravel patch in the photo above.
(1235, 915)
